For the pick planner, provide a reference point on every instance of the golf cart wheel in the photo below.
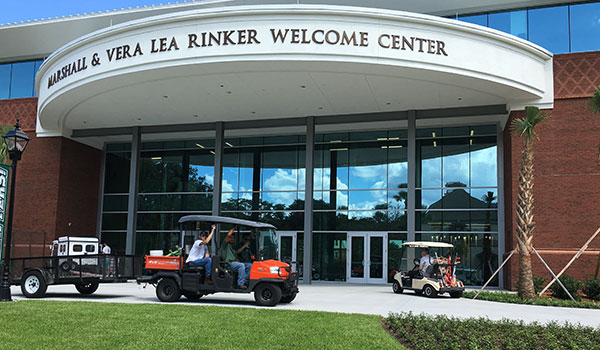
(33, 285)
(87, 288)
(286, 299)
(456, 294)
(267, 294)
(192, 296)
(429, 291)
(396, 287)
(168, 290)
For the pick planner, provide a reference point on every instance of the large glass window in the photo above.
(17, 79)
(481, 20)
(513, 22)
(549, 28)
(456, 195)
(585, 27)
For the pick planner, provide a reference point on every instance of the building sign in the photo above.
(4, 175)
(247, 36)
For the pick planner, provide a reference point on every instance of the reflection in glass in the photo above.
(112, 222)
(376, 257)
(585, 27)
(512, 22)
(455, 162)
(549, 28)
(357, 256)
(200, 173)
(484, 198)
(165, 241)
(429, 169)
(464, 220)
(329, 256)
(368, 166)
(484, 163)
(115, 203)
(428, 197)
(367, 200)
(116, 174)
(21, 80)
(397, 199)
(161, 172)
(477, 19)
(4, 81)
(396, 258)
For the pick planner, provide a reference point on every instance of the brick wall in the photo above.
(57, 179)
(567, 175)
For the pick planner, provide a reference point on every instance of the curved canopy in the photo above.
(283, 61)
(224, 220)
(428, 244)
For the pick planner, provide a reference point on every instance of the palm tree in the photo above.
(594, 105)
(525, 224)
(4, 128)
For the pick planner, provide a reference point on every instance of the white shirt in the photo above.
(106, 250)
(198, 251)
(425, 262)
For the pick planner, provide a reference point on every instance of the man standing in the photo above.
(106, 249)
(199, 255)
(229, 256)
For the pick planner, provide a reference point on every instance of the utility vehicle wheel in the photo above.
(456, 294)
(167, 290)
(33, 285)
(286, 299)
(87, 288)
(192, 296)
(396, 287)
(429, 291)
(267, 294)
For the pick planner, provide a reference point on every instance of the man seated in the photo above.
(199, 255)
(245, 254)
(229, 256)
(425, 262)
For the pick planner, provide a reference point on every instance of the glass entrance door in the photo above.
(288, 247)
(367, 257)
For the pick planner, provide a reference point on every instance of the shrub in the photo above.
(570, 283)
(592, 288)
(503, 297)
(441, 332)
(538, 283)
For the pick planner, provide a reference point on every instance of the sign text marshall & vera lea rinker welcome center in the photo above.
(286, 36)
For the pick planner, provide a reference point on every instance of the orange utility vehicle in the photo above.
(271, 280)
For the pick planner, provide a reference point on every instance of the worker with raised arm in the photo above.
(229, 256)
(199, 254)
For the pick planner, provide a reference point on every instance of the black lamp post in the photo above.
(16, 141)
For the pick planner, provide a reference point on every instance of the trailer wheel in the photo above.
(87, 288)
(167, 290)
(267, 294)
(396, 287)
(192, 296)
(33, 284)
(429, 291)
(286, 299)
(65, 266)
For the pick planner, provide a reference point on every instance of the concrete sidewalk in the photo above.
(346, 298)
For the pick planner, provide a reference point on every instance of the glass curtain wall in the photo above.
(457, 195)
(176, 179)
(559, 29)
(17, 79)
(263, 180)
(360, 184)
(116, 195)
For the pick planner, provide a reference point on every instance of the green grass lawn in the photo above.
(38, 324)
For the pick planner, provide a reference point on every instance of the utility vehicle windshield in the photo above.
(267, 244)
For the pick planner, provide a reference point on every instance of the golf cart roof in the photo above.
(224, 220)
(428, 244)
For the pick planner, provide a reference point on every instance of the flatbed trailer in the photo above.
(85, 272)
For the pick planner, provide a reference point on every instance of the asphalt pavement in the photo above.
(345, 298)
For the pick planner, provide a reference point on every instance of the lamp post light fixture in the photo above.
(16, 142)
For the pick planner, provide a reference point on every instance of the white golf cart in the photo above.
(439, 276)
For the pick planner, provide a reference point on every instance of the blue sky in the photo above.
(24, 10)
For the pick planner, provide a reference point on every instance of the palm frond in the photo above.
(594, 102)
(525, 126)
